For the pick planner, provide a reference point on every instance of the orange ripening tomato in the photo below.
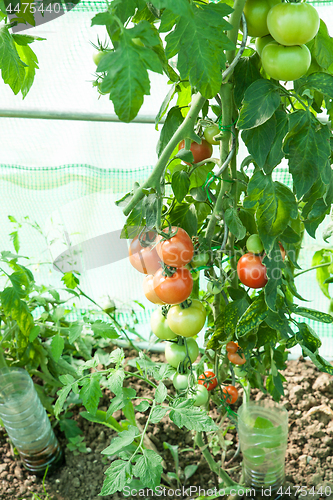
(173, 289)
(208, 379)
(251, 271)
(231, 394)
(200, 152)
(144, 259)
(148, 290)
(177, 250)
(232, 347)
(236, 359)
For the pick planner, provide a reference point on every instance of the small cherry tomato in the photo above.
(254, 244)
(236, 359)
(144, 259)
(180, 381)
(201, 396)
(173, 289)
(200, 152)
(200, 259)
(232, 347)
(231, 394)
(188, 321)
(160, 327)
(210, 132)
(251, 271)
(97, 56)
(214, 287)
(208, 379)
(177, 250)
(148, 290)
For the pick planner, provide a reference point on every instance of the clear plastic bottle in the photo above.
(263, 433)
(26, 422)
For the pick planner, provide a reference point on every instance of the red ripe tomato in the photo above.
(208, 379)
(231, 394)
(177, 250)
(200, 151)
(251, 271)
(232, 347)
(236, 359)
(144, 259)
(149, 291)
(173, 289)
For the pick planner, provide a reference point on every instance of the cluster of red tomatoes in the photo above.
(282, 29)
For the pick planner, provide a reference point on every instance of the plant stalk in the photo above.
(211, 462)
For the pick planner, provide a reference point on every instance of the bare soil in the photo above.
(309, 459)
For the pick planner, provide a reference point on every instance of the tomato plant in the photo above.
(293, 23)
(177, 250)
(173, 289)
(159, 326)
(285, 63)
(251, 271)
(201, 151)
(256, 16)
(231, 394)
(208, 379)
(187, 320)
(176, 353)
(144, 258)
(180, 381)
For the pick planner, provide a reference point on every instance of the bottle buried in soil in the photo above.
(27, 423)
(263, 433)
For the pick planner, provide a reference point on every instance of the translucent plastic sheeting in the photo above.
(66, 175)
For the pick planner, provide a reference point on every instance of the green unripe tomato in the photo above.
(180, 381)
(201, 396)
(254, 244)
(255, 12)
(210, 132)
(214, 287)
(188, 321)
(108, 305)
(175, 353)
(286, 63)
(160, 327)
(200, 259)
(262, 41)
(97, 56)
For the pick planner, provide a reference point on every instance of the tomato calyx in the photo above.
(186, 304)
(168, 270)
(165, 309)
(208, 379)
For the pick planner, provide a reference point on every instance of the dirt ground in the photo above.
(309, 459)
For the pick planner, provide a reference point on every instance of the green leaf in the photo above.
(307, 149)
(234, 223)
(104, 330)
(12, 68)
(90, 392)
(245, 73)
(124, 439)
(133, 223)
(322, 82)
(161, 392)
(158, 413)
(70, 280)
(225, 324)
(266, 335)
(190, 221)
(318, 361)
(126, 77)
(102, 19)
(101, 417)
(173, 120)
(313, 314)
(74, 332)
(18, 310)
(274, 266)
(322, 273)
(34, 333)
(275, 154)
(180, 184)
(57, 346)
(278, 322)
(165, 104)
(115, 381)
(259, 140)
(322, 47)
(62, 395)
(184, 414)
(260, 102)
(307, 337)
(28, 56)
(200, 30)
(253, 316)
(199, 175)
(117, 476)
(14, 236)
(149, 468)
